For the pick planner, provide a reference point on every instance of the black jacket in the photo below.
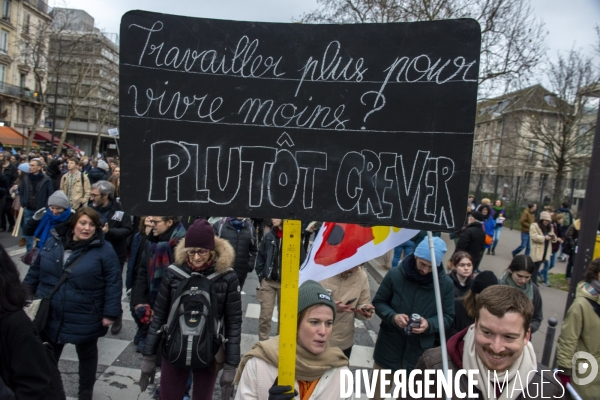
(460, 290)
(472, 240)
(97, 174)
(24, 365)
(8, 178)
(268, 258)
(44, 191)
(461, 319)
(229, 300)
(119, 229)
(243, 243)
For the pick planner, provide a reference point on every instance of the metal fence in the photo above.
(518, 191)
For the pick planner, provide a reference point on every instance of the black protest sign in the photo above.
(367, 124)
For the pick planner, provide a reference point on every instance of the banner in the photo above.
(339, 247)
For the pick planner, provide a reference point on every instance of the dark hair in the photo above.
(173, 218)
(90, 212)
(544, 228)
(470, 303)
(115, 182)
(489, 214)
(592, 271)
(142, 225)
(13, 294)
(501, 202)
(565, 204)
(459, 255)
(502, 299)
(521, 263)
(530, 205)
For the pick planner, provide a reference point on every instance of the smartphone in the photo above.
(351, 301)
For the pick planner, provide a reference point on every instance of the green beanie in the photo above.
(311, 293)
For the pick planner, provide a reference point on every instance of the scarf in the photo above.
(508, 281)
(525, 363)
(161, 257)
(409, 265)
(237, 224)
(74, 245)
(309, 366)
(48, 222)
(203, 267)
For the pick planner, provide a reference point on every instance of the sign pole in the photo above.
(288, 304)
(438, 306)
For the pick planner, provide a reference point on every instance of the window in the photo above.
(26, 22)
(486, 149)
(2, 76)
(487, 130)
(496, 149)
(528, 178)
(475, 154)
(543, 179)
(499, 129)
(531, 152)
(546, 157)
(3, 41)
(6, 9)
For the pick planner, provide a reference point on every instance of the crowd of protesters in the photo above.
(71, 215)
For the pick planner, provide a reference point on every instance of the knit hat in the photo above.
(478, 216)
(311, 293)
(422, 250)
(58, 199)
(200, 234)
(483, 280)
(24, 167)
(103, 165)
(545, 215)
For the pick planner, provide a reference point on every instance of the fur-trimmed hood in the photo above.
(225, 255)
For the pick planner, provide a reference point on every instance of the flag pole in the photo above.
(438, 306)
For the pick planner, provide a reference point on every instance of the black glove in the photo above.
(280, 392)
(148, 371)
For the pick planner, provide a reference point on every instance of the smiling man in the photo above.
(497, 346)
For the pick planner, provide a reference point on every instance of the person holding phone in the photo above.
(352, 295)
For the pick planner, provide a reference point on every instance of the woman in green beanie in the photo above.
(318, 366)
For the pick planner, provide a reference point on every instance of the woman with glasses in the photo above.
(518, 275)
(199, 252)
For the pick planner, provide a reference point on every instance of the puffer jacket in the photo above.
(91, 292)
(97, 174)
(227, 290)
(355, 286)
(243, 243)
(580, 333)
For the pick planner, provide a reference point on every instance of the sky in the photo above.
(570, 24)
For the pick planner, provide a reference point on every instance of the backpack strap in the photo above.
(595, 306)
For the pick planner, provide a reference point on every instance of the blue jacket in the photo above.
(489, 225)
(91, 292)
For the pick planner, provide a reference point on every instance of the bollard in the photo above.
(549, 342)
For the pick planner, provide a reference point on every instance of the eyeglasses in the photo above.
(95, 195)
(200, 252)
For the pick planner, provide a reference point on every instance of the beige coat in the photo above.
(356, 285)
(537, 239)
(259, 375)
(80, 192)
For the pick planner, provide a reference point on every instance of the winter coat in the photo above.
(460, 290)
(227, 290)
(91, 292)
(355, 286)
(268, 258)
(527, 218)
(489, 226)
(97, 174)
(44, 191)
(432, 360)
(399, 295)
(537, 239)
(24, 365)
(80, 191)
(243, 242)
(461, 318)
(259, 375)
(8, 178)
(580, 333)
(54, 173)
(571, 238)
(139, 251)
(119, 229)
(472, 240)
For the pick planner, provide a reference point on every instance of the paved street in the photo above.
(118, 369)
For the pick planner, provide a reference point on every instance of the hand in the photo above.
(277, 392)
(39, 214)
(107, 322)
(148, 371)
(560, 240)
(422, 328)
(105, 228)
(548, 237)
(340, 307)
(226, 381)
(401, 320)
(366, 311)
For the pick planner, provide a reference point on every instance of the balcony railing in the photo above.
(17, 91)
(40, 5)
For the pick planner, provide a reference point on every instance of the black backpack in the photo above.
(193, 330)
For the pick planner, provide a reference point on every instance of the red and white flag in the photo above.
(339, 247)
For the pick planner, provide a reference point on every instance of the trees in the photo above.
(513, 40)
